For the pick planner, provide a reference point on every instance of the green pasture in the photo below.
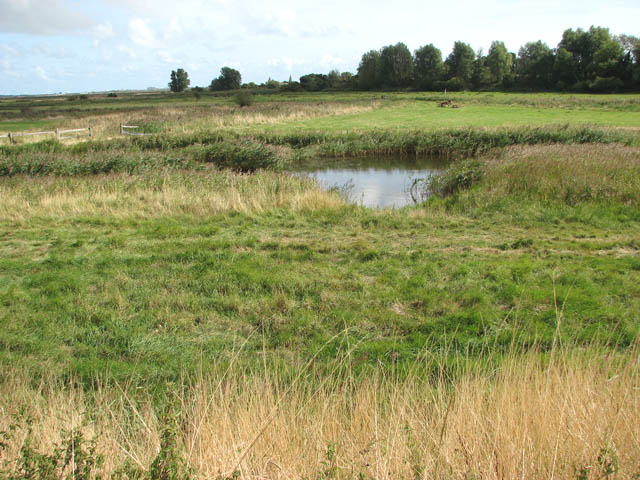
(528, 256)
(152, 299)
(391, 109)
(428, 115)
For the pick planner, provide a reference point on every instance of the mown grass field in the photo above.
(181, 317)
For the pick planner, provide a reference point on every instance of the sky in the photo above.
(51, 46)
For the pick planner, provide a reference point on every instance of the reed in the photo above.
(571, 416)
(157, 194)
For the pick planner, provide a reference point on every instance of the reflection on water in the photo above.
(373, 181)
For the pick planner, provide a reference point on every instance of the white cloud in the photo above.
(103, 31)
(166, 57)
(41, 17)
(41, 73)
(9, 50)
(127, 50)
(141, 35)
(287, 62)
(329, 61)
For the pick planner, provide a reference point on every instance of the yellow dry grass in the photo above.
(577, 414)
(187, 120)
(154, 196)
(567, 172)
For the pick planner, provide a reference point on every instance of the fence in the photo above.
(59, 134)
(125, 130)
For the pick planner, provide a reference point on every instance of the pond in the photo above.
(376, 182)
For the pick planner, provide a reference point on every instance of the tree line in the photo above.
(584, 60)
(590, 60)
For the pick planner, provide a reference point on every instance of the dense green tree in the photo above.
(369, 70)
(428, 67)
(333, 79)
(597, 57)
(481, 78)
(499, 61)
(565, 70)
(179, 80)
(535, 66)
(396, 66)
(314, 82)
(460, 64)
(630, 63)
(636, 64)
(229, 79)
(347, 81)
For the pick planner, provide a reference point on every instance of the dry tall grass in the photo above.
(156, 195)
(568, 172)
(198, 118)
(577, 414)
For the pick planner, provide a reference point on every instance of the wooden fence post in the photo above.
(10, 138)
(121, 130)
(90, 132)
(57, 134)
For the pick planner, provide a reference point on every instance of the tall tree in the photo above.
(179, 80)
(596, 55)
(369, 70)
(499, 62)
(428, 67)
(481, 78)
(565, 69)
(333, 79)
(535, 66)
(396, 65)
(229, 79)
(314, 82)
(636, 64)
(460, 63)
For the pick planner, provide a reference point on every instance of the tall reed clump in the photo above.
(239, 149)
(157, 194)
(445, 143)
(243, 155)
(573, 414)
(570, 174)
(92, 163)
(549, 174)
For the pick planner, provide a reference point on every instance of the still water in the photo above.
(376, 182)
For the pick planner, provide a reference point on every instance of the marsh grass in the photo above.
(524, 176)
(233, 149)
(154, 195)
(215, 324)
(567, 173)
(572, 414)
(208, 117)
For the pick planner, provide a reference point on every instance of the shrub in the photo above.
(243, 99)
(459, 176)
(245, 155)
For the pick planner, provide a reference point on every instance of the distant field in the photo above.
(429, 115)
(396, 110)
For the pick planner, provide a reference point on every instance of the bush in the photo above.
(605, 84)
(243, 99)
(245, 155)
(459, 176)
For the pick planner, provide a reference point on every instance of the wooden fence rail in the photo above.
(59, 134)
(124, 130)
